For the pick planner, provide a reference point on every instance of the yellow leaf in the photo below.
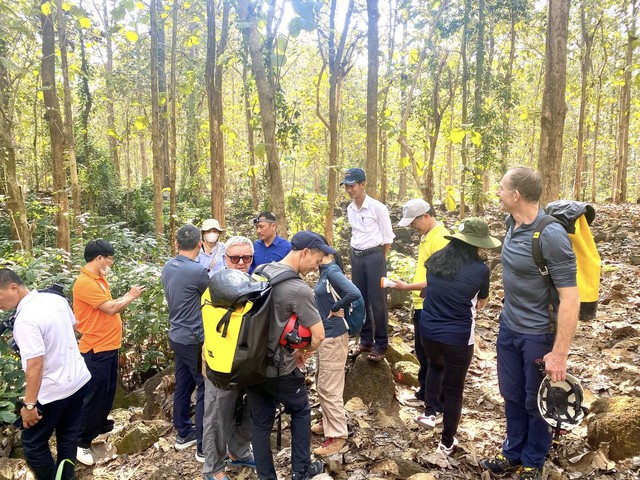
(457, 134)
(46, 8)
(449, 200)
(414, 56)
(131, 36)
(524, 115)
(476, 138)
(85, 22)
(140, 5)
(66, 7)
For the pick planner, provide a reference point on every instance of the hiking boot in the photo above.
(107, 426)
(241, 462)
(330, 446)
(447, 451)
(428, 422)
(186, 442)
(498, 465)
(199, 455)
(317, 428)
(85, 456)
(314, 468)
(529, 473)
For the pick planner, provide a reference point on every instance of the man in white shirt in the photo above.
(371, 238)
(56, 376)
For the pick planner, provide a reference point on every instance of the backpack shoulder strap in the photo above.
(535, 244)
(284, 276)
(542, 264)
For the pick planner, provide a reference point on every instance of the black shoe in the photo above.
(529, 473)
(498, 465)
(314, 468)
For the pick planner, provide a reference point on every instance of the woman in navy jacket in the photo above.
(332, 354)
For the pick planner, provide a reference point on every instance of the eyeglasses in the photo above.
(413, 222)
(235, 259)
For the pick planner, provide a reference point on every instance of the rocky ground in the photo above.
(386, 443)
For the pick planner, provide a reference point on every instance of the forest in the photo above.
(125, 119)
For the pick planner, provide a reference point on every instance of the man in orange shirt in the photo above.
(98, 316)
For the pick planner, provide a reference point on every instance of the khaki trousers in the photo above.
(332, 357)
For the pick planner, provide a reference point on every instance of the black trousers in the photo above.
(99, 398)
(366, 272)
(455, 359)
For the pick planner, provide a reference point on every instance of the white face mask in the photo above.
(211, 237)
(106, 270)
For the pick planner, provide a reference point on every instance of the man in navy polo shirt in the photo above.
(270, 247)
(526, 331)
(371, 238)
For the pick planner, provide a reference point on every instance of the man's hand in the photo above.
(301, 355)
(339, 313)
(29, 417)
(555, 364)
(136, 291)
(399, 285)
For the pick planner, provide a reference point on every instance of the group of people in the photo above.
(233, 428)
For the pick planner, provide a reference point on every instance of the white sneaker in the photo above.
(428, 422)
(84, 455)
(447, 451)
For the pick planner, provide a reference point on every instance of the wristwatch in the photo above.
(29, 406)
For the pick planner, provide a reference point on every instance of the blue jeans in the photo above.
(61, 416)
(188, 377)
(291, 391)
(528, 435)
(366, 272)
(103, 367)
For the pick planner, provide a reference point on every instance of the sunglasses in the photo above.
(235, 259)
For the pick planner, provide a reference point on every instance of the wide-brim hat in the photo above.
(475, 231)
(211, 223)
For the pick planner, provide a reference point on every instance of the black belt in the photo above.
(362, 253)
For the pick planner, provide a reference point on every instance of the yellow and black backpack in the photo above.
(238, 321)
(575, 217)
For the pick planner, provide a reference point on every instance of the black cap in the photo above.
(265, 217)
(307, 239)
(353, 175)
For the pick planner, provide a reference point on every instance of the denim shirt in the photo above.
(348, 292)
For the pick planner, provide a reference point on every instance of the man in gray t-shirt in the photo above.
(525, 335)
(285, 382)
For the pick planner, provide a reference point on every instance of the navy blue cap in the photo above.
(353, 175)
(307, 239)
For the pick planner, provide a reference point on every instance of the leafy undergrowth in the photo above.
(381, 442)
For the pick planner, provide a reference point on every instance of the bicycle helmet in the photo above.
(560, 403)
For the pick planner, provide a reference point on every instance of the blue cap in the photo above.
(353, 175)
(307, 239)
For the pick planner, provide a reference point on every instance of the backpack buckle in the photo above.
(544, 271)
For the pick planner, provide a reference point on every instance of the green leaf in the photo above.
(261, 150)
(7, 417)
(9, 65)
(131, 36)
(243, 25)
(295, 26)
(304, 8)
(84, 22)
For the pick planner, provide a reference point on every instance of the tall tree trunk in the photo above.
(266, 96)
(86, 99)
(250, 138)
(216, 48)
(68, 119)
(479, 165)
(465, 102)
(508, 100)
(56, 129)
(162, 92)
(596, 128)
(109, 97)
(372, 97)
(155, 124)
(619, 193)
(585, 69)
(173, 140)
(20, 231)
(554, 107)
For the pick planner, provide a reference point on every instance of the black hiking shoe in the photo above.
(529, 473)
(498, 465)
(314, 468)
